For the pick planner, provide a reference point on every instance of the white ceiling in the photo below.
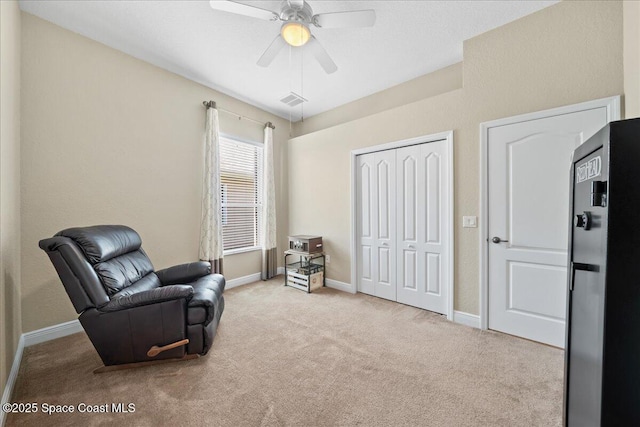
(220, 50)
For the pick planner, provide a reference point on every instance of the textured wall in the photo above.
(631, 10)
(107, 138)
(568, 53)
(432, 84)
(10, 322)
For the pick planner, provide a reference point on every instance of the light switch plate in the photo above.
(328, 258)
(470, 221)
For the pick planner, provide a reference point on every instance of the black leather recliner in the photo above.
(130, 312)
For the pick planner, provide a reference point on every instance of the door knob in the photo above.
(498, 240)
(385, 244)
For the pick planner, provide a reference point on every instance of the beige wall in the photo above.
(111, 139)
(107, 138)
(631, 44)
(568, 53)
(10, 321)
(432, 84)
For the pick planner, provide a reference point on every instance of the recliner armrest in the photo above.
(184, 273)
(152, 296)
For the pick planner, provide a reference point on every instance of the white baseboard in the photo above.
(239, 281)
(245, 280)
(252, 278)
(468, 319)
(341, 286)
(31, 338)
(13, 376)
(52, 332)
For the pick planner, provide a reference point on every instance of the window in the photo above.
(241, 193)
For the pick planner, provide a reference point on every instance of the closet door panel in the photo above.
(420, 225)
(376, 216)
(434, 247)
(432, 264)
(366, 249)
(432, 196)
(408, 184)
(409, 270)
(385, 205)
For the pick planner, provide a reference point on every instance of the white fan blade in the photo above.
(272, 51)
(243, 9)
(321, 55)
(356, 18)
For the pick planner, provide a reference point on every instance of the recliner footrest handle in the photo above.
(156, 350)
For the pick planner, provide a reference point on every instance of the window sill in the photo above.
(242, 250)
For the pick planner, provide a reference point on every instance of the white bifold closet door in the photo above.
(402, 248)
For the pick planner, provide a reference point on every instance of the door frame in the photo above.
(612, 105)
(448, 198)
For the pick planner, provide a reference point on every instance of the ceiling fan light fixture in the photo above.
(295, 33)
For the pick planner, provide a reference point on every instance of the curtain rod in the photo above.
(212, 104)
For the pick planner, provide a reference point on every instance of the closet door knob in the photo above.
(385, 244)
(411, 247)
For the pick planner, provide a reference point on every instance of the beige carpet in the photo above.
(283, 357)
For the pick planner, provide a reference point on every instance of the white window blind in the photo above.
(241, 193)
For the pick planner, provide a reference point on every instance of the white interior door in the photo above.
(528, 201)
(376, 213)
(421, 223)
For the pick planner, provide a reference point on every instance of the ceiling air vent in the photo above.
(293, 99)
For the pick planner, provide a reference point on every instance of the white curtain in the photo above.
(269, 235)
(211, 248)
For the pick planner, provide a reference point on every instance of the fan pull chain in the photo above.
(290, 90)
(302, 84)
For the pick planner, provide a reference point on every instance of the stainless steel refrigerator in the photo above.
(602, 358)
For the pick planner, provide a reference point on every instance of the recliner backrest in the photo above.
(78, 277)
(94, 263)
(115, 252)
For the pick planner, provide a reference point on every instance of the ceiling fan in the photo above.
(297, 16)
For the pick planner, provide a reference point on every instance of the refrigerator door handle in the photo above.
(582, 267)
